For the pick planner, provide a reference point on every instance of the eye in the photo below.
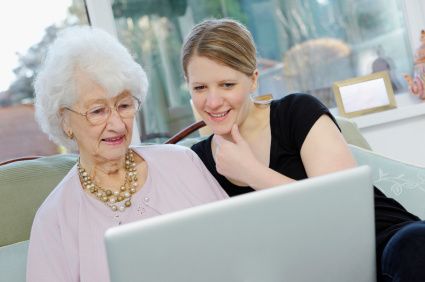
(97, 111)
(228, 85)
(199, 88)
(123, 105)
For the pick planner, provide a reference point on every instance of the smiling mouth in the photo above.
(114, 140)
(218, 115)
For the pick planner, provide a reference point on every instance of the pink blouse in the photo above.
(66, 242)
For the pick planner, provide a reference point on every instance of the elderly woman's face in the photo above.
(104, 139)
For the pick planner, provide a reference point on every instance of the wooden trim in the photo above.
(185, 132)
(19, 159)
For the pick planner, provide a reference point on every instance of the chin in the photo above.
(114, 153)
(221, 130)
(112, 157)
(223, 127)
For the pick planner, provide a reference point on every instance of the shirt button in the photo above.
(147, 199)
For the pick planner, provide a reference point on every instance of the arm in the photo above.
(324, 150)
(46, 259)
(266, 177)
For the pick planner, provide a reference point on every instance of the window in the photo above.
(303, 46)
(27, 29)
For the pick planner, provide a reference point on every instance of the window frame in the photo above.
(101, 15)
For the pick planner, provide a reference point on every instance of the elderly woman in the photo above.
(87, 95)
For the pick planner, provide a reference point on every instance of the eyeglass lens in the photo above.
(126, 108)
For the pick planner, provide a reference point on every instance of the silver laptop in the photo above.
(318, 229)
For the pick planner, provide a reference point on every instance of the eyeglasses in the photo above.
(99, 114)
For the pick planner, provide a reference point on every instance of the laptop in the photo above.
(318, 229)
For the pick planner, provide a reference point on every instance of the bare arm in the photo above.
(324, 149)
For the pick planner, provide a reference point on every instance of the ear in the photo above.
(65, 124)
(254, 78)
(187, 85)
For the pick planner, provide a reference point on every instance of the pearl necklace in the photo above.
(117, 200)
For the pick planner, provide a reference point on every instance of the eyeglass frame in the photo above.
(139, 104)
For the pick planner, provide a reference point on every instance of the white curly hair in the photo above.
(100, 57)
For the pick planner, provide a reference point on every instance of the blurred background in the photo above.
(303, 46)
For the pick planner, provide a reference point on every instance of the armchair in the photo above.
(24, 184)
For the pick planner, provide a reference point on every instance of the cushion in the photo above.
(13, 262)
(23, 186)
(396, 179)
(351, 133)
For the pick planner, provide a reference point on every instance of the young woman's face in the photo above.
(219, 93)
(108, 140)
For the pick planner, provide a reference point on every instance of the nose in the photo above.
(115, 121)
(214, 99)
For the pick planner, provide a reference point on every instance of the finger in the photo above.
(218, 140)
(217, 149)
(236, 136)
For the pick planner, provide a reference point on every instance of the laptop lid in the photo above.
(318, 229)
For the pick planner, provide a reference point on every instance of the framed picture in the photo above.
(364, 95)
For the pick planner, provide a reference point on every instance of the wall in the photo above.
(398, 133)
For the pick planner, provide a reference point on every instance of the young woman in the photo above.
(257, 145)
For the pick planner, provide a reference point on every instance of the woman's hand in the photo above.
(235, 160)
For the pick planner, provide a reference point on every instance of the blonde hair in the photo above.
(225, 41)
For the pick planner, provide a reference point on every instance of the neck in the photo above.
(257, 120)
(122, 192)
(104, 170)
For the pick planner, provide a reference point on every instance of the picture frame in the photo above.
(364, 95)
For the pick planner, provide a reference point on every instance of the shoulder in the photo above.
(294, 108)
(160, 149)
(297, 101)
(292, 117)
(179, 176)
(165, 153)
(63, 196)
